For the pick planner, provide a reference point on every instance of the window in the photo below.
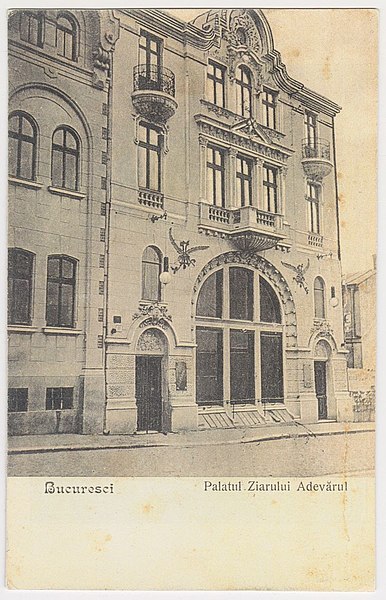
(319, 301)
(269, 108)
(210, 299)
(59, 398)
(150, 57)
(61, 274)
(270, 200)
(22, 142)
(20, 271)
(216, 176)
(244, 167)
(65, 159)
(151, 270)
(31, 28)
(241, 293)
(311, 130)
(216, 83)
(269, 304)
(209, 382)
(242, 363)
(150, 146)
(244, 91)
(227, 362)
(313, 192)
(17, 399)
(66, 37)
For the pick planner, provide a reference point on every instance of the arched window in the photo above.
(210, 299)
(31, 27)
(151, 270)
(269, 304)
(61, 279)
(319, 300)
(65, 159)
(241, 293)
(244, 91)
(20, 272)
(22, 143)
(66, 37)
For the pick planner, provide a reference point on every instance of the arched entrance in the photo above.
(322, 374)
(150, 385)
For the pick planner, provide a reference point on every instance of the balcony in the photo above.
(154, 92)
(316, 159)
(248, 227)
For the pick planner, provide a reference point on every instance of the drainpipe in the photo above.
(336, 189)
(107, 229)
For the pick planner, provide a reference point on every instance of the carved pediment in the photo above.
(253, 129)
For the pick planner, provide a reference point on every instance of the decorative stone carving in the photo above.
(272, 274)
(300, 271)
(321, 326)
(109, 30)
(150, 341)
(156, 315)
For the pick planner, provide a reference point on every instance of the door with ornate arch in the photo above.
(149, 393)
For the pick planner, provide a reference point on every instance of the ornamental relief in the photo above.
(151, 341)
(272, 274)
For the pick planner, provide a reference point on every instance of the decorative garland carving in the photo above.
(151, 341)
(272, 274)
(155, 313)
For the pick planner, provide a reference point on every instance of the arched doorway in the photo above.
(322, 376)
(150, 385)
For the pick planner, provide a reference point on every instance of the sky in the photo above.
(334, 52)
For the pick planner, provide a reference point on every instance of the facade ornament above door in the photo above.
(156, 315)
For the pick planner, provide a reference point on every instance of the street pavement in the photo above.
(284, 450)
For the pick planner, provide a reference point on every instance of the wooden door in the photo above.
(149, 393)
(321, 388)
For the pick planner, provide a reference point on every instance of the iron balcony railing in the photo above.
(154, 78)
(318, 149)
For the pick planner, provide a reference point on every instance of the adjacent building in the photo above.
(174, 256)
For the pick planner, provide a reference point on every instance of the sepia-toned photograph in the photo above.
(192, 248)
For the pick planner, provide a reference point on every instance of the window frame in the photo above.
(11, 311)
(148, 262)
(52, 400)
(269, 185)
(63, 150)
(319, 307)
(242, 88)
(215, 168)
(17, 400)
(214, 80)
(148, 148)
(246, 180)
(313, 206)
(311, 129)
(39, 18)
(269, 105)
(23, 139)
(149, 53)
(60, 281)
(72, 32)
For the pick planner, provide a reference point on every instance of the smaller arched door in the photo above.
(149, 380)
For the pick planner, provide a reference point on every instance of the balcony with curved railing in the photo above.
(316, 158)
(154, 92)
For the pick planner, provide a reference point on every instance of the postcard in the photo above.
(191, 299)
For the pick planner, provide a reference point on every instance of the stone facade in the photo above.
(119, 336)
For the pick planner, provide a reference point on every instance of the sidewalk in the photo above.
(30, 444)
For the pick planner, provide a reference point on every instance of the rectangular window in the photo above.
(17, 399)
(242, 363)
(313, 207)
(61, 271)
(244, 167)
(209, 376)
(216, 176)
(59, 398)
(269, 108)
(150, 59)
(150, 148)
(311, 130)
(271, 356)
(270, 195)
(216, 83)
(20, 270)
(241, 293)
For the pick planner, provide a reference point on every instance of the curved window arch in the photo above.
(269, 303)
(65, 159)
(240, 293)
(32, 27)
(66, 36)
(210, 298)
(20, 276)
(151, 270)
(319, 298)
(61, 280)
(244, 91)
(22, 146)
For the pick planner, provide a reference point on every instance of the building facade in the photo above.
(174, 232)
